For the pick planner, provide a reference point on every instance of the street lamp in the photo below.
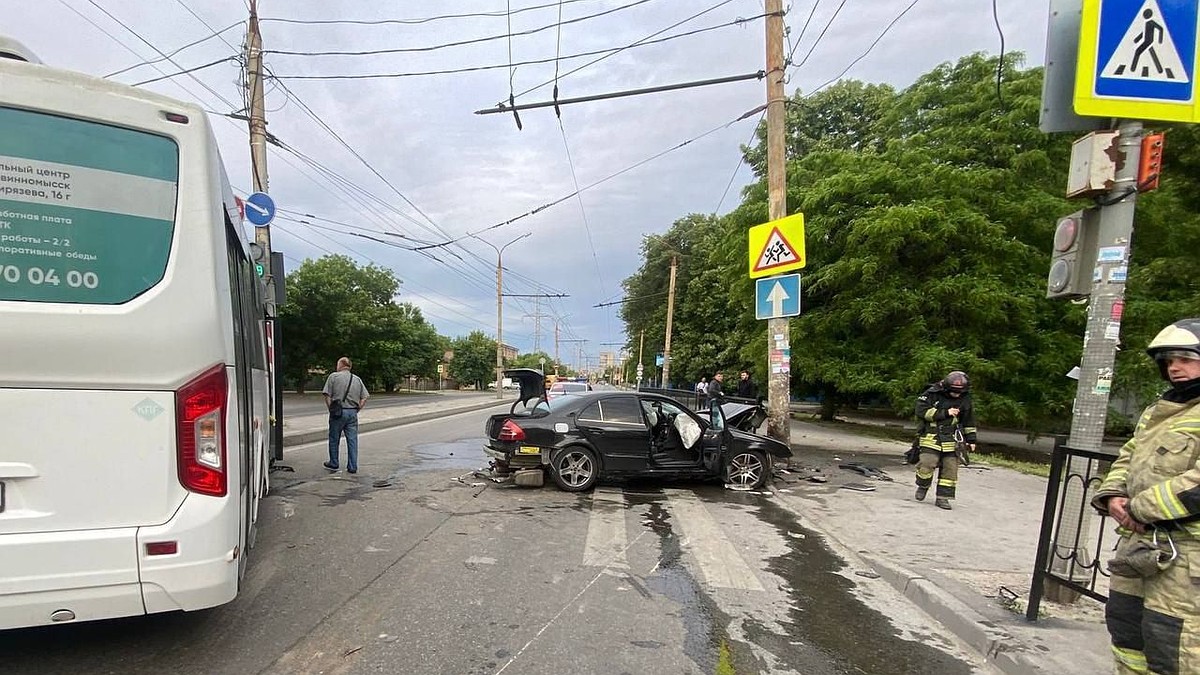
(500, 310)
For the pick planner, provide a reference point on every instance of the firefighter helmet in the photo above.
(1179, 340)
(956, 382)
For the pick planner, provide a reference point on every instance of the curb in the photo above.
(975, 630)
(304, 437)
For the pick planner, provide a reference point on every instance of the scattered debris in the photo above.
(739, 488)
(281, 467)
(859, 487)
(351, 651)
(817, 478)
(382, 483)
(867, 574)
(797, 535)
(869, 471)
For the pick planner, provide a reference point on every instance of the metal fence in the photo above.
(1076, 563)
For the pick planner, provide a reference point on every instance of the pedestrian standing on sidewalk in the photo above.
(701, 393)
(947, 417)
(716, 393)
(745, 386)
(1152, 490)
(345, 396)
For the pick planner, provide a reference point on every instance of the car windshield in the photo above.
(568, 387)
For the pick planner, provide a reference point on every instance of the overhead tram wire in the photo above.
(413, 22)
(647, 40)
(497, 66)
(799, 38)
(459, 43)
(597, 183)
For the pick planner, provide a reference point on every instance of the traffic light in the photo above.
(1073, 259)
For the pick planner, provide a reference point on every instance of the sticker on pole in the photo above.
(777, 246)
(1137, 60)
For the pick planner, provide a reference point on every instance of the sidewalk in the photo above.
(951, 564)
(309, 428)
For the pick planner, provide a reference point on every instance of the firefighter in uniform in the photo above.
(1153, 492)
(947, 418)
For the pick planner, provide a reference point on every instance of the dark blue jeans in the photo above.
(346, 424)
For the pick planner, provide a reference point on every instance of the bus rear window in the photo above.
(87, 210)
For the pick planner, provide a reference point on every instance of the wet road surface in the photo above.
(416, 566)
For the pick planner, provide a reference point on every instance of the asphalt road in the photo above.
(404, 569)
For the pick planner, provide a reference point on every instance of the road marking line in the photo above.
(606, 538)
(721, 564)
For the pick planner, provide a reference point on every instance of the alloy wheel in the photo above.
(576, 469)
(746, 469)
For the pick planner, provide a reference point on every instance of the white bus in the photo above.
(134, 394)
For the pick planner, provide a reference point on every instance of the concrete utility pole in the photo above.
(641, 350)
(262, 234)
(666, 369)
(778, 384)
(1105, 309)
(500, 310)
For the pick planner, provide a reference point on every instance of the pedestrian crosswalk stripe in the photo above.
(719, 562)
(606, 537)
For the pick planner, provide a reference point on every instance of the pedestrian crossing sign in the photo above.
(777, 246)
(1137, 60)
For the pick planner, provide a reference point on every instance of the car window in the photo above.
(622, 409)
(590, 413)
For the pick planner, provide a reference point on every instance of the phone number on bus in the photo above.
(48, 276)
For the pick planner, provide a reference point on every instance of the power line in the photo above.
(822, 35)
(189, 71)
(582, 211)
(459, 43)
(176, 51)
(409, 22)
(199, 18)
(862, 56)
(796, 44)
(532, 62)
(627, 169)
(741, 161)
(214, 92)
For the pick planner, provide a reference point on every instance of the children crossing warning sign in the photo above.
(777, 246)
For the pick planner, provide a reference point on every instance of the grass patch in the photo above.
(891, 433)
(1031, 468)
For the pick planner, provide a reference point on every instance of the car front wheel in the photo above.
(747, 468)
(575, 469)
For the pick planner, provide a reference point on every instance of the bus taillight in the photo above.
(200, 415)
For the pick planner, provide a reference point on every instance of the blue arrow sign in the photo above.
(260, 208)
(777, 297)
(1146, 50)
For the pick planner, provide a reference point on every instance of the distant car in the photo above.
(560, 388)
(582, 438)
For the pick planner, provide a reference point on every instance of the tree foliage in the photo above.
(474, 359)
(929, 217)
(336, 308)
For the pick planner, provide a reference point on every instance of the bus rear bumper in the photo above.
(82, 575)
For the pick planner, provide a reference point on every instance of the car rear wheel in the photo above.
(575, 469)
(747, 468)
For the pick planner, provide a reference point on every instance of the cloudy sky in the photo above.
(466, 172)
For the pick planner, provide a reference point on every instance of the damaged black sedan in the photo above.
(581, 439)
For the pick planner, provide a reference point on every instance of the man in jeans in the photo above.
(347, 389)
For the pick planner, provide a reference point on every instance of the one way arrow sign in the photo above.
(777, 297)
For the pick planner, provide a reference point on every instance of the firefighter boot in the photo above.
(921, 492)
(943, 503)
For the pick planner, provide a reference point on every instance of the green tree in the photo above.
(474, 359)
(532, 360)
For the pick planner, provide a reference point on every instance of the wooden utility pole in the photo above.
(779, 384)
(666, 370)
(262, 234)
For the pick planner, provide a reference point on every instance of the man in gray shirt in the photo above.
(345, 396)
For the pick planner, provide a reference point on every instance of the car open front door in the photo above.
(715, 439)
